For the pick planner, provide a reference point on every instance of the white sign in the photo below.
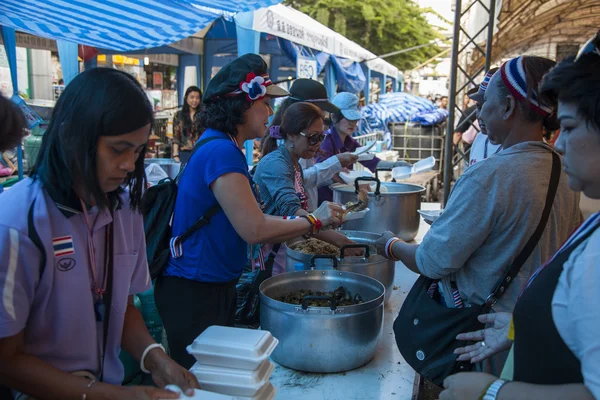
(287, 23)
(306, 67)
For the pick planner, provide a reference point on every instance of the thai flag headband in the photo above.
(255, 86)
(486, 80)
(513, 76)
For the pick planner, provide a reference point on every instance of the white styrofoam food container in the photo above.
(234, 382)
(356, 215)
(430, 215)
(199, 394)
(267, 392)
(424, 165)
(366, 148)
(350, 177)
(229, 347)
(366, 157)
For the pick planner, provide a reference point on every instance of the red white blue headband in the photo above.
(513, 76)
(255, 86)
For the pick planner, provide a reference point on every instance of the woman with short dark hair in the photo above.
(554, 328)
(198, 288)
(74, 252)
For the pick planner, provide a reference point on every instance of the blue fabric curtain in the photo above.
(67, 53)
(349, 74)
(10, 46)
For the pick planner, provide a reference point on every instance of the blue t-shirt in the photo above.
(215, 252)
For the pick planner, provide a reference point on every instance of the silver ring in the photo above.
(483, 344)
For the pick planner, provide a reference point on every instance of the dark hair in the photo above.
(535, 69)
(578, 83)
(335, 118)
(297, 118)
(276, 121)
(98, 102)
(12, 124)
(185, 110)
(225, 114)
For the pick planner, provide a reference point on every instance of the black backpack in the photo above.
(158, 205)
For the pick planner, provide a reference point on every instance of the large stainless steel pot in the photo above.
(393, 209)
(374, 265)
(323, 339)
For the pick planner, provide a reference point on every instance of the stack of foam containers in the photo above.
(234, 362)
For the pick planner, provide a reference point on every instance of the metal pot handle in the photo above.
(316, 257)
(331, 300)
(368, 179)
(355, 246)
(383, 170)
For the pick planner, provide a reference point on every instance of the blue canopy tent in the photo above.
(110, 24)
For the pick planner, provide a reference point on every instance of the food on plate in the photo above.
(360, 204)
(342, 298)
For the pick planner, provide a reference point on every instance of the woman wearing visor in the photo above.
(339, 140)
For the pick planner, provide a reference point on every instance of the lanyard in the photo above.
(97, 290)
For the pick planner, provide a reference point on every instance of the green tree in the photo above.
(381, 26)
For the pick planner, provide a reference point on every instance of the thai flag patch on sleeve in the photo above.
(63, 246)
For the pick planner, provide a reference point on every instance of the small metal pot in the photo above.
(394, 209)
(374, 265)
(323, 339)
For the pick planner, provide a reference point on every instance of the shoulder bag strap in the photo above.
(205, 219)
(107, 296)
(196, 147)
(518, 262)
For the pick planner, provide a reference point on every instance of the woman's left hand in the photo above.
(466, 386)
(165, 372)
(382, 242)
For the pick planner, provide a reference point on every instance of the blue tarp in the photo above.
(349, 74)
(119, 25)
(399, 108)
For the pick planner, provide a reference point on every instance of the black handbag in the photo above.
(426, 330)
(248, 291)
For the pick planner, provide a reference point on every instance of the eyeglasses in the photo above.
(591, 46)
(314, 139)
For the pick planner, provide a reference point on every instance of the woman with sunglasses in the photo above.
(339, 140)
(554, 329)
(325, 172)
(279, 175)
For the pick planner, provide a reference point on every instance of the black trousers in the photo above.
(188, 307)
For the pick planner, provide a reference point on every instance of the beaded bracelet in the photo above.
(388, 248)
(315, 223)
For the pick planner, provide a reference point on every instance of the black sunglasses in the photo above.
(314, 139)
(591, 46)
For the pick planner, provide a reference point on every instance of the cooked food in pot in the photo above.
(317, 247)
(341, 296)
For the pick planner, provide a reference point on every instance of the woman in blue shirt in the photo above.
(198, 288)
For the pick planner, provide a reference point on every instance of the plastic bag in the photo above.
(155, 173)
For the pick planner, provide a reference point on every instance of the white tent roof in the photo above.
(297, 27)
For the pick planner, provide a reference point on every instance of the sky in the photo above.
(442, 7)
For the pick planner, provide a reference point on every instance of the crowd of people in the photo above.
(75, 251)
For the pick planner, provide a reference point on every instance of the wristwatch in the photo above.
(493, 390)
